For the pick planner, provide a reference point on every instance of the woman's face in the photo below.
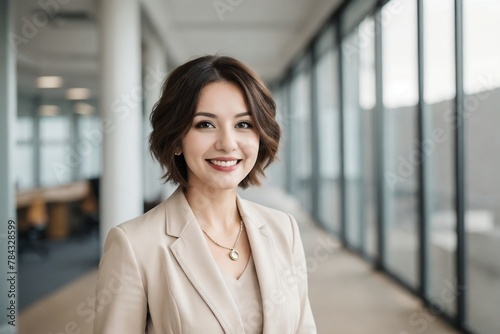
(222, 144)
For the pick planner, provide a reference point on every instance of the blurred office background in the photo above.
(390, 112)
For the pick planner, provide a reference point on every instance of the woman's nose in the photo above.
(226, 141)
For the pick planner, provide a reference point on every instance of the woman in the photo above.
(205, 260)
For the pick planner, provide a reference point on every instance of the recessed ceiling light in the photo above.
(78, 93)
(84, 109)
(49, 82)
(48, 110)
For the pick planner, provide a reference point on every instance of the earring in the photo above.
(177, 153)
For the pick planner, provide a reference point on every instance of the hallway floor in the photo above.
(347, 296)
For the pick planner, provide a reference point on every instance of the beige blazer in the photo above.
(157, 275)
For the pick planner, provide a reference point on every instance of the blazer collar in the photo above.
(178, 213)
(266, 264)
(195, 259)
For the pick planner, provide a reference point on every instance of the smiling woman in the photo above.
(186, 86)
(205, 260)
(222, 146)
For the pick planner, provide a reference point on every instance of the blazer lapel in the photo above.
(266, 265)
(195, 259)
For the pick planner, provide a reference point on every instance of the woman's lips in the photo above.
(224, 165)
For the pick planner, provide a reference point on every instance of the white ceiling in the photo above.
(265, 34)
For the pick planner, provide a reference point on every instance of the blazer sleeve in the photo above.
(306, 322)
(121, 303)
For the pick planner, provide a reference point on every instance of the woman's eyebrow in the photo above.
(207, 114)
(243, 114)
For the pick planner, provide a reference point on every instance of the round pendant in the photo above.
(233, 254)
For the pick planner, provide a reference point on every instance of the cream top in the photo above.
(246, 294)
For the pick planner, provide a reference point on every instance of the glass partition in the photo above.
(328, 131)
(439, 94)
(400, 96)
(482, 145)
(300, 141)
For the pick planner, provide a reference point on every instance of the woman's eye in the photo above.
(204, 125)
(244, 125)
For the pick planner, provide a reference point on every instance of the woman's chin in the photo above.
(219, 184)
(225, 185)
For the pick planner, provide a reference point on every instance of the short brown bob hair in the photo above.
(173, 114)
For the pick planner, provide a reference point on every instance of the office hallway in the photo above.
(347, 296)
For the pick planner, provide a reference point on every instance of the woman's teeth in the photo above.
(224, 163)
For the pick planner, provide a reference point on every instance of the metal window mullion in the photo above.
(342, 179)
(379, 145)
(460, 168)
(314, 136)
(361, 187)
(422, 130)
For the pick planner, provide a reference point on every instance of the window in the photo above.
(301, 135)
(439, 94)
(57, 160)
(329, 139)
(402, 151)
(399, 55)
(89, 146)
(482, 144)
(366, 38)
(352, 138)
(25, 177)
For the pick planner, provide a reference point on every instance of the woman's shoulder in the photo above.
(140, 235)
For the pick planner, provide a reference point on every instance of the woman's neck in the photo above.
(214, 209)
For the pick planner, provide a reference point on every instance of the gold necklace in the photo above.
(233, 253)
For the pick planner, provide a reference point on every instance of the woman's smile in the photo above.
(224, 164)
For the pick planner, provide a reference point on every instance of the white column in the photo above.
(8, 98)
(121, 196)
(155, 72)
